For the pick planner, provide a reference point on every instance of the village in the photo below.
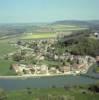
(38, 52)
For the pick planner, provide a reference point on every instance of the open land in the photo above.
(66, 93)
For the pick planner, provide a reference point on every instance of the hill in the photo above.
(78, 22)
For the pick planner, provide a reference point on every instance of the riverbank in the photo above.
(36, 76)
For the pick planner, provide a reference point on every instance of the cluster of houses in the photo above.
(22, 69)
(75, 68)
(42, 50)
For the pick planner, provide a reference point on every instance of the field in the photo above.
(66, 29)
(5, 68)
(5, 48)
(38, 35)
(51, 94)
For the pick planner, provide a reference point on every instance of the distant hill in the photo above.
(78, 22)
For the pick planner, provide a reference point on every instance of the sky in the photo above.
(19, 11)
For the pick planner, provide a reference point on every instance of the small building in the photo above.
(97, 59)
(32, 70)
(80, 66)
(96, 34)
(64, 69)
(41, 58)
(56, 57)
(16, 69)
(44, 69)
(52, 70)
(37, 69)
(26, 71)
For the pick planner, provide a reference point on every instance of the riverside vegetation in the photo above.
(67, 93)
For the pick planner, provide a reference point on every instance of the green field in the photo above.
(56, 28)
(51, 94)
(5, 48)
(5, 68)
(67, 27)
(38, 35)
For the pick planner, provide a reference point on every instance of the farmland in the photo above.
(54, 29)
(38, 35)
(67, 27)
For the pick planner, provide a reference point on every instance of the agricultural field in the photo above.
(54, 29)
(67, 28)
(38, 36)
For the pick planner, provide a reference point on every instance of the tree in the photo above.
(86, 46)
(29, 91)
(94, 88)
(17, 57)
(19, 42)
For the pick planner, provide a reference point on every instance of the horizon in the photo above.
(46, 11)
(47, 22)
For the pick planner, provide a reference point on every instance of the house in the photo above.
(41, 58)
(16, 69)
(37, 69)
(56, 57)
(32, 70)
(52, 70)
(30, 66)
(96, 34)
(97, 59)
(81, 66)
(64, 69)
(27, 71)
(43, 69)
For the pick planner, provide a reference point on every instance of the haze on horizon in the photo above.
(27, 11)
